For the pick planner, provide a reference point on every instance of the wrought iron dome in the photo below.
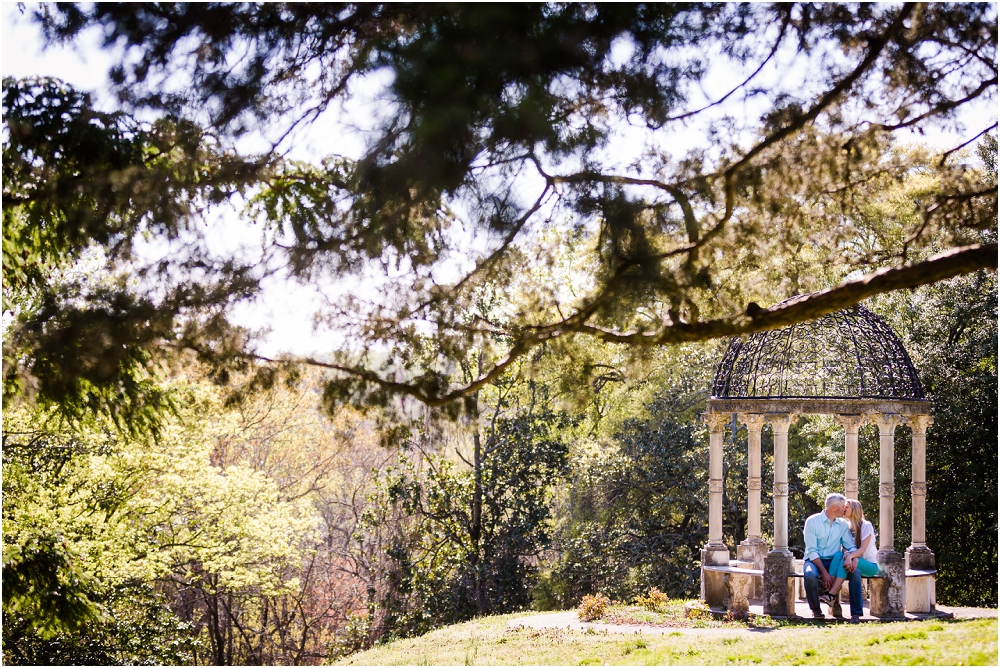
(849, 354)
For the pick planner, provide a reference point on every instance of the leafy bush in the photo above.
(593, 607)
(654, 601)
(353, 637)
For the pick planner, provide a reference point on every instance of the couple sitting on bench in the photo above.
(840, 546)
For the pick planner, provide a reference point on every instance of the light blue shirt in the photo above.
(825, 537)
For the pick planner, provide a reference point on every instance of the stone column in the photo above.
(918, 555)
(921, 596)
(779, 596)
(886, 424)
(780, 424)
(716, 433)
(851, 424)
(715, 553)
(753, 548)
(888, 597)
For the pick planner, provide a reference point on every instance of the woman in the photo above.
(863, 558)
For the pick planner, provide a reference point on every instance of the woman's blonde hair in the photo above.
(857, 517)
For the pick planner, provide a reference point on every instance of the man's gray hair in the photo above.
(834, 497)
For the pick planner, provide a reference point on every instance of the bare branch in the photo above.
(942, 107)
(492, 258)
(948, 153)
(770, 56)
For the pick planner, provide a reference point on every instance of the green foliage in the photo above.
(469, 536)
(136, 628)
(353, 637)
(41, 584)
(81, 188)
(75, 176)
(950, 331)
(43, 580)
(507, 123)
(93, 520)
(636, 513)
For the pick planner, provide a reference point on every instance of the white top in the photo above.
(868, 530)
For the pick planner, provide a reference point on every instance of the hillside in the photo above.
(500, 641)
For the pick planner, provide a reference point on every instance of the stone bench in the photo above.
(920, 591)
(729, 587)
(732, 587)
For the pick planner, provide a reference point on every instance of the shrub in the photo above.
(593, 607)
(654, 601)
(355, 636)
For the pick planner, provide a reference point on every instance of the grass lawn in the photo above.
(489, 641)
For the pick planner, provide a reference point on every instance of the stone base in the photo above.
(920, 559)
(750, 554)
(921, 594)
(714, 588)
(754, 551)
(888, 594)
(779, 587)
(741, 589)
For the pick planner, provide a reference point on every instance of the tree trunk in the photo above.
(215, 632)
(476, 526)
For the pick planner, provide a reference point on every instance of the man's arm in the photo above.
(809, 534)
(812, 541)
(824, 575)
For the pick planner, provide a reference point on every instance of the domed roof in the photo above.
(847, 354)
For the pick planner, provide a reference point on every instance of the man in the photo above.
(826, 534)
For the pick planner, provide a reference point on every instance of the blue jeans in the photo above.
(813, 579)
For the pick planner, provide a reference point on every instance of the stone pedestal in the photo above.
(714, 588)
(920, 559)
(779, 587)
(741, 589)
(753, 550)
(921, 590)
(921, 594)
(888, 594)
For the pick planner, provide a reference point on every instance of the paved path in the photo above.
(570, 620)
(968, 613)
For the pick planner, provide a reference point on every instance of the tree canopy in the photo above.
(638, 174)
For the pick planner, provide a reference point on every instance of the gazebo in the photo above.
(849, 364)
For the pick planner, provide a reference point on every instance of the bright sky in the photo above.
(286, 309)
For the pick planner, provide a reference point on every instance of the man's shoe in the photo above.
(818, 614)
(855, 619)
(826, 597)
